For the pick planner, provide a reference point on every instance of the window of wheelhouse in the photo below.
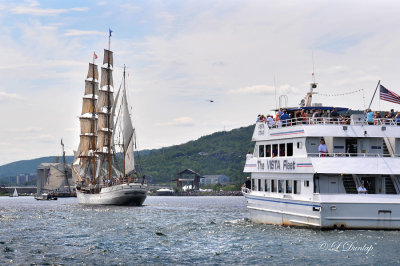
(274, 150)
(280, 186)
(289, 149)
(296, 187)
(273, 185)
(282, 150)
(261, 151)
(266, 185)
(288, 186)
(253, 184)
(299, 145)
(268, 150)
(259, 185)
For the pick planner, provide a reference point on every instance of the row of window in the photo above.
(278, 185)
(276, 150)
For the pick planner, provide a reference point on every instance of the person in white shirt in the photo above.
(270, 121)
(361, 189)
(249, 155)
(322, 148)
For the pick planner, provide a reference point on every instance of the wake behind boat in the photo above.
(105, 164)
(308, 170)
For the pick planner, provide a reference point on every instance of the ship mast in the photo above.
(65, 168)
(105, 105)
(88, 121)
(109, 108)
(122, 138)
(93, 126)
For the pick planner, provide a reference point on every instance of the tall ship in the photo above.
(104, 164)
(352, 182)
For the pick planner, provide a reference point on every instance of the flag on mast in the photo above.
(109, 30)
(94, 55)
(388, 95)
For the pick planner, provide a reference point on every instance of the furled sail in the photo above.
(108, 57)
(127, 131)
(106, 77)
(93, 72)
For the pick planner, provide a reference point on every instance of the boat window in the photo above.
(280, 186)
(282, 149)
(268, 151)
(266, 186)
(299, 145)
(273, 185)
(296, 187)
(259, 185)
(288, 186)
(307, 183)
(253, 184)
(289, 149)
(274, 150)
(261, 151)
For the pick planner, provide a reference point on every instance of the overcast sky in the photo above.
(182, 54)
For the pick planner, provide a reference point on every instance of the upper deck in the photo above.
(326, 127)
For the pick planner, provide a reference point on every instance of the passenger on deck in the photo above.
(316, 115)
(303, 117)
(398, 118)
(335, 116)
(392, 114)
(285, 117)
(249, 155)
(278, 122)
(347, 119)
(247, 183)
(370, 117)
(322, 148)
(361, 189)
(270, 121)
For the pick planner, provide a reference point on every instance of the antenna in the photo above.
(313, 72)
(275, 94)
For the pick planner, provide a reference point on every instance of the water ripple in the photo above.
(171, 230)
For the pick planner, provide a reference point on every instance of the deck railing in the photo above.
(329, 121)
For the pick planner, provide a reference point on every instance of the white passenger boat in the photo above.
(293, 184)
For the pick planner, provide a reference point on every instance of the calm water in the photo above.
(174, 230)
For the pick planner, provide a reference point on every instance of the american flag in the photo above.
(388, 95)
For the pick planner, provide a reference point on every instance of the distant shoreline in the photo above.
(200, 193)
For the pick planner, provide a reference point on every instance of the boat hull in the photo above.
(125, 194)
(279, 211)
(354, 214)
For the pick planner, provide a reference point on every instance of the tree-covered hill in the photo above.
(218, 153)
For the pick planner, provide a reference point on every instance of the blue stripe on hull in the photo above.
(286, 202)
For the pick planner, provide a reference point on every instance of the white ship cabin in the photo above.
(287, 163)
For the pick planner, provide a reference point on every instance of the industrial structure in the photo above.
(215, 179)
(55, 178)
